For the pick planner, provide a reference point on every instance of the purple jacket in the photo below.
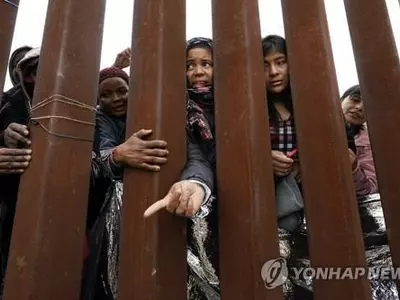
(364, 175)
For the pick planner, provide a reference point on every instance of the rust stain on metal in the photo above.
(21, 262)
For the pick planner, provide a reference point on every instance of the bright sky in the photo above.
(118, 24)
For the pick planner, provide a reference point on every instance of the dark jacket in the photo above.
(14, 104)
(201, 166)
(201, 153)
(13, 108)
(109, 133)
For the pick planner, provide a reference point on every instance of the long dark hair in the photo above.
(351, 92)
(271, 44)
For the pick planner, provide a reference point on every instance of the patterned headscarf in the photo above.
(199, 99)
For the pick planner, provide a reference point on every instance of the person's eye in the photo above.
(190, 66)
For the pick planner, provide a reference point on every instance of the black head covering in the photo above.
(16, 56)
(199, 42)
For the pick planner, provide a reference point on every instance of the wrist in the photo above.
(117, 155)
(204, 187)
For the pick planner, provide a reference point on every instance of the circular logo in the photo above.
(274, 273)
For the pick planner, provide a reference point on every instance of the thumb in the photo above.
(283, 158)
(159, 205)
(142, 133)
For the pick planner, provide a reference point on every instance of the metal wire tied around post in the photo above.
(36, 120)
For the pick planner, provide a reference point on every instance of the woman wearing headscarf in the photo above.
(197, 180)
(193, 196)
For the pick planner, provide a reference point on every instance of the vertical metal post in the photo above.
(8, 16)
(246, 202)
(333, 223)
(378, 69)
(153, 251)
(46, 248)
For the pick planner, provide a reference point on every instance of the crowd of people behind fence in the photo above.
(194, 195)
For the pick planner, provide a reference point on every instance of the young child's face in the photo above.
(276, 70)
(199, 67)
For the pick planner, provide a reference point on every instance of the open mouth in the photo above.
(199, 84)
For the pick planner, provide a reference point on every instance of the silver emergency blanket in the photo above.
(203, 281)
(111, 240)
(376, 246)
(100, 276)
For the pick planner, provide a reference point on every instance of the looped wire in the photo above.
(68, 101)
(11, 3)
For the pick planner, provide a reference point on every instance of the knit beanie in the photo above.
(113, 72)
